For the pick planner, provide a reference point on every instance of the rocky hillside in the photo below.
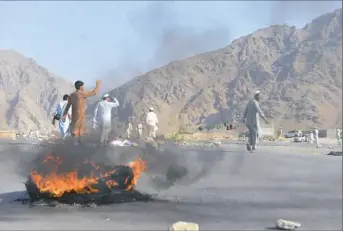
(299, 72)
(28, 93)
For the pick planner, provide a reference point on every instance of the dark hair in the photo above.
(78, 84)
(65, 97)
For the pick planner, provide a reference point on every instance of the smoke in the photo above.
(167, 164)
(170, 164)
(282, 11)
(166, 38)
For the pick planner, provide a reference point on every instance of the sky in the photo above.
(116, 41)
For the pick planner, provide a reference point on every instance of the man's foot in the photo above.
(249, 147)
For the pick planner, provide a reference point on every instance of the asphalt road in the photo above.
(241, 192)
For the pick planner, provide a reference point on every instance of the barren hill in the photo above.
(298, 70)
(28, 93)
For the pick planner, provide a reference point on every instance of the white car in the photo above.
(299, 139)
(291, 134)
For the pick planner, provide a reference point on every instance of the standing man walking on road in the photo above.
(152, 121)
(251, 119)
(316, 137)
(129, 128)
(103, 116)
(140, 129)
(78, 102)
(338, 136)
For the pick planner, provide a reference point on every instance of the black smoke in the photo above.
(168, 164)
(159, 27)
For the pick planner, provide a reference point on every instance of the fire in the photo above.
(57, 184)
(138, 166)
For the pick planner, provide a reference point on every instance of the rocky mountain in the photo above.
(29, 94)
(299, 72)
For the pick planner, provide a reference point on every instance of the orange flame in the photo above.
(138, 166)
(58, 184)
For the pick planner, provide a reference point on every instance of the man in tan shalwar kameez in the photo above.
(78, 102)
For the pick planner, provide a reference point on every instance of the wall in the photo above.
(267, 129)
(8, 135)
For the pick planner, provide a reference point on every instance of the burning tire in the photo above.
(85, 183)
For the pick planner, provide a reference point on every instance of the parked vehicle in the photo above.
(291, 134)
(299, 139)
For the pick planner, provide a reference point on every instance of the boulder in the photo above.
(287, 225)
(184, 226)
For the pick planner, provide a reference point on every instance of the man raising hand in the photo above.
(78, 102)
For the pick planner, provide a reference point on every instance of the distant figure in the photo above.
(77, 101)
(251, 119)
(299, 133)
(140, 130)
(338, 136)
(37, 134)
(63, 125)
(152, 121)
(103, 116)
(128, 129)
(316, 137)
(279, 132)
(311, 137)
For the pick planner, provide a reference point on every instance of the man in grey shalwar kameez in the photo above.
(251, 119)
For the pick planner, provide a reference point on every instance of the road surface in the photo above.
(242, 192)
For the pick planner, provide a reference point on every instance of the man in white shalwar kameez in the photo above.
(251, 119)
(63, 125)
(102, 116)
(338, 136)
(316, 137)
(152, 121)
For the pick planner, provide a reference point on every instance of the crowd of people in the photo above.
(71, 116)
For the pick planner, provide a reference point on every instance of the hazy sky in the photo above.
(116, 40)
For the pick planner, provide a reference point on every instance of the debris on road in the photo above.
(333, 153)
(211, 144)
(184, 226)
(287, 225)
(122, 143)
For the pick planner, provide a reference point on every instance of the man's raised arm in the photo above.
(115, 102)
(94, 91)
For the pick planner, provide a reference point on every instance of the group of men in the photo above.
(71, 112)
(151, 122)
(251, 120)
(71, 115)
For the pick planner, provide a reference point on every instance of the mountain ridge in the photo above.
(289, 65)
(29, 93)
